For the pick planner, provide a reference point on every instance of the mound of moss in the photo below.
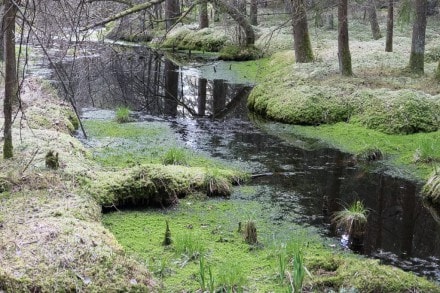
(158, 185)
(206, 39)
(396, 112)
(237, 53)
(289, 93)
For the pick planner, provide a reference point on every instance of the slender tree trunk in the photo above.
(10, 75)
(390, 27)
(172, 12)
(343, 47)
(203, 14)
(2, 11)
(302, 45)
(372, 15)
(416, 60)
(253, 12)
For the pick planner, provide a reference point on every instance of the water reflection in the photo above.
(144, 80)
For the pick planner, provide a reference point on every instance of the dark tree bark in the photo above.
(172, 12)
(343, 47)
(253, 12)
(10, 75)
(372, 16)
(416, 60)
(302, 45)
(203, 14)
(390, 27)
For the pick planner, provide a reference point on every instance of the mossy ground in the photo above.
(210, 229)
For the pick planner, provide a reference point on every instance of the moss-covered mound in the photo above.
(184, 38)
(397, 112)
(237, 53)
(51, 237)
(300, 94)
(158, 185)
(431, 190)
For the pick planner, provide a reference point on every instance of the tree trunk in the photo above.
(172, 12)
(343, 47)
(203, 14)
(201, 96)
(10, 75)
(253, 12)
(239, 18)
(372, 15)
(390, 27)
(302, 45)
(2, 11)
(416, 60)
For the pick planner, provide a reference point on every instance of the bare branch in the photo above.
(126, 12)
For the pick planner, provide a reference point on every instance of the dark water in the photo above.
(312, 183)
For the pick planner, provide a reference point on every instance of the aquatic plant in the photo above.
(175, 156)
(352, 219)
(123, 115)
(250, 233)
(202, 278)
(282, 265)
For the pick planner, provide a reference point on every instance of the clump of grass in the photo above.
(175, 156)
(123, 115)
(431, 190)
(189, 245)
(352, 220)
(216, 184)
(231, 277)
(427, 152)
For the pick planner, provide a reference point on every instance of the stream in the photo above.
(206, 105)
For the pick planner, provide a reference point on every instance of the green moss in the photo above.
(156, 185)
(397, 112)
(206, 39)
(233, 265)
(237, 53)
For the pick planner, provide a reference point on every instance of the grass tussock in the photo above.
(431, 190)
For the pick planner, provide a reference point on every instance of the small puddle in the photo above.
(307, 183)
